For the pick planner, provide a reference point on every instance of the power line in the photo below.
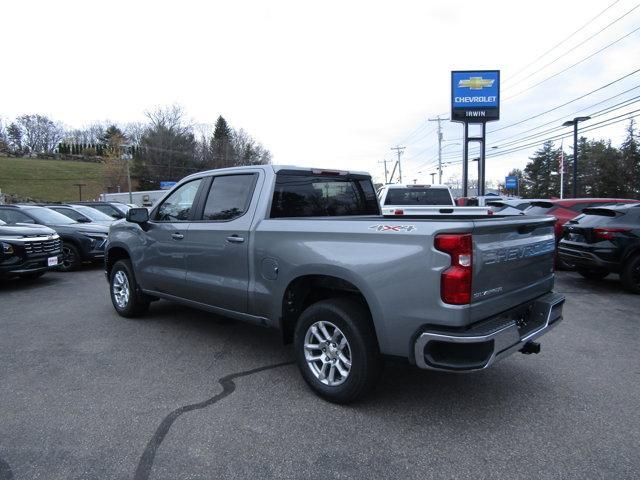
(599, 113)
(571, 66)
(567, 38)
(566, 103)
(556, 120)
(598, 125)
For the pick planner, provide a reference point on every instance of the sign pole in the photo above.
(465, 162)
(481, 161)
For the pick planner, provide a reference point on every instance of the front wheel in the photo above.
(71, 259)
(126, 296)
(593, 273)
(630, 275)
(336, 350)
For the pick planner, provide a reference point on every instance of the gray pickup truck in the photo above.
(308, 252)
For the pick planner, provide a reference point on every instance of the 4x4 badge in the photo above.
(394, 228)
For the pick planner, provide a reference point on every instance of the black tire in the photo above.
(592, 273)
(354, 322)
(32, 275)
(136, 302)
(630, 275)
(71, 259)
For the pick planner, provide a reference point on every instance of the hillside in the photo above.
(50, 180)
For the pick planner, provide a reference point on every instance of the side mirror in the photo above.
(84, 220)
(137, 215)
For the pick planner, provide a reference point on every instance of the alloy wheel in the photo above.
(120, 289)
(327, 352)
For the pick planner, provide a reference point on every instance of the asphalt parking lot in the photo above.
(180, 394)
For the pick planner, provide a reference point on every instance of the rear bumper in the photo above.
(586, 258)
(490, 341)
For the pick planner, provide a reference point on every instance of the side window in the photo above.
(72, 214)
(229, 197)
(177, 206)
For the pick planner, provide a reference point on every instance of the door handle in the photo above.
(177, 236)
(235, 239)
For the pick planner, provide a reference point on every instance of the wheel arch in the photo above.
(305, 290)
(112, 255)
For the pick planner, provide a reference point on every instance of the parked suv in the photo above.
(80, 242)
(569, 208)
(115, 210)
(605, 240)
(565, 210)
(82, 213)
(28, 251)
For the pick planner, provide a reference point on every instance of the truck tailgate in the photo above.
(511, 258)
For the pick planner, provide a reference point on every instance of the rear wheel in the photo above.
(70, 258)
(126, 296)
(336, 350)
(631, 275)
(593, 273)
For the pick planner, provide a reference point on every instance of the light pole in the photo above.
(574, 123)
(127, 158)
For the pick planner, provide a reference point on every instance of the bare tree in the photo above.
(40, 134)
(134, 132)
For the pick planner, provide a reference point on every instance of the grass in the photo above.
(51, 180)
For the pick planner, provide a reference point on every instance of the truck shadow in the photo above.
(401, 385)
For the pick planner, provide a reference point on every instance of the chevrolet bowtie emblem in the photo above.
(475, 83)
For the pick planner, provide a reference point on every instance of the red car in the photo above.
(569, 208)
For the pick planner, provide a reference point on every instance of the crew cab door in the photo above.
(162, 267)
(218, 242)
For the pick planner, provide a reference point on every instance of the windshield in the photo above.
(418, 196)
(45, 216)
(122, 207)
(540, 208)
(496, 206)
(93, 214)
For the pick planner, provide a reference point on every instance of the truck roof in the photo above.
(413, 185)
(277, 168)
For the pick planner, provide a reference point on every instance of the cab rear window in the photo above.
(418, 196)
(311, 195)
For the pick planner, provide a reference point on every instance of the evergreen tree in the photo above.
(537, 174)
(221, 145)
(630, 164)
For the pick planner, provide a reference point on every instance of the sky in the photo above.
(332, 84)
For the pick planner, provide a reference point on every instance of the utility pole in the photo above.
(127, 158)
(385, 171)
(439, 120)
(80, 185)
(399, 151)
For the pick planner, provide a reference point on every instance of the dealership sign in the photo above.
(511, 182)
(475, 96)
(167, 185)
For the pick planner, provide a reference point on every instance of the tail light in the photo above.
(397, 211)
(608, 233)
(455, 281)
